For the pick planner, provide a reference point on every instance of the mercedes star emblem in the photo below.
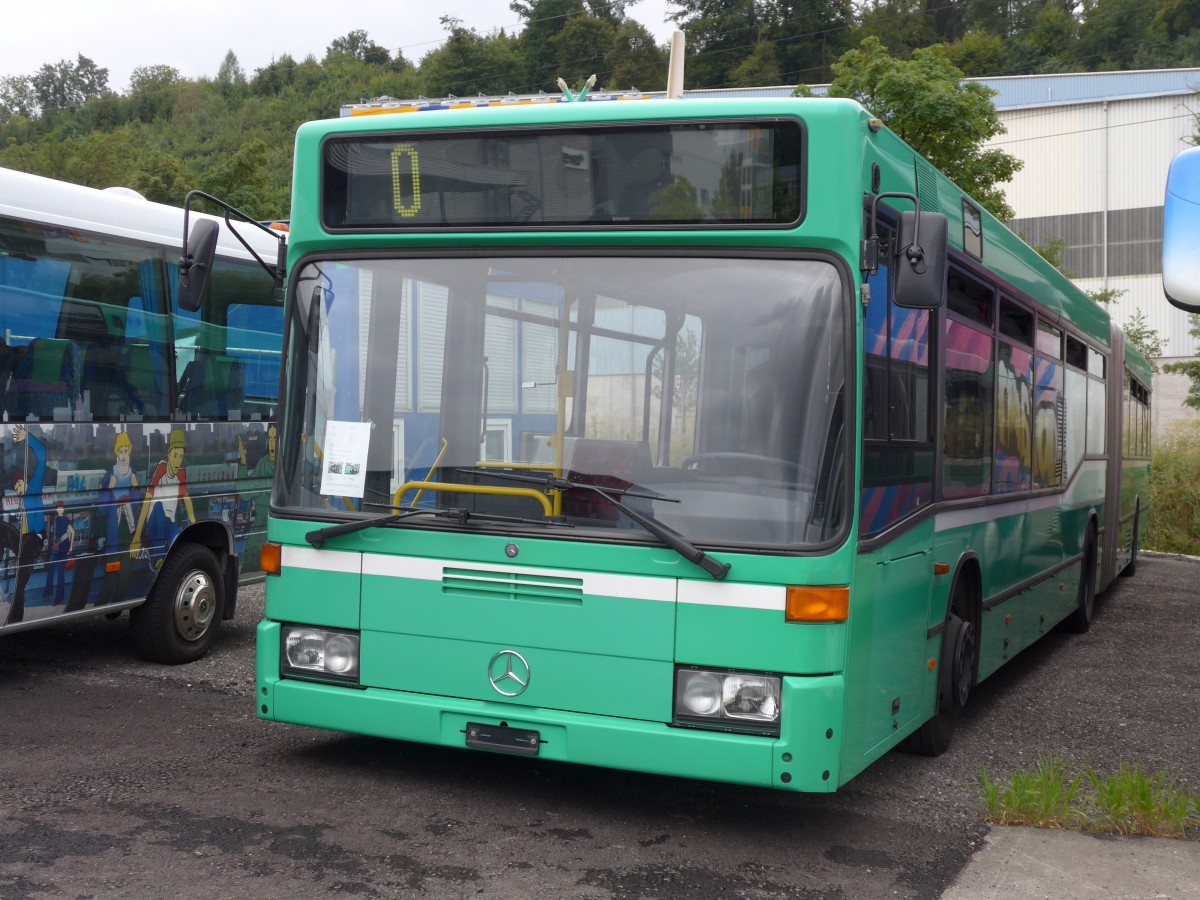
(509, 673)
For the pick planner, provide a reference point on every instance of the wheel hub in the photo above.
(195, 605)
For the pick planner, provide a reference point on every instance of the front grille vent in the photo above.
(511, 585)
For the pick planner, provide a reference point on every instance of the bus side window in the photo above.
(64, 301)
(222, 348)
(897, 476)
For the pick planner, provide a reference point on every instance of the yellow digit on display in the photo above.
(407, 210)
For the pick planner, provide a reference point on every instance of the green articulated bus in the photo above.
(718, 439)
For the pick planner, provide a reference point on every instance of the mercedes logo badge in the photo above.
(509, 673)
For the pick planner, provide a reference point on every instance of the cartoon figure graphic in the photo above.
(118, 498)
(62, 542)
(166, 493)
(31, 516)
(265, 466)
(257, 485)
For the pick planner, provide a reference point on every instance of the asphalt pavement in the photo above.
(120, 778)
(1019, 863)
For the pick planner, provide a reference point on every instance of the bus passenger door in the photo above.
(887, 672)
(895, 569)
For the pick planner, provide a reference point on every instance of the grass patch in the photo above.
(1129, 801)
(1175, 492)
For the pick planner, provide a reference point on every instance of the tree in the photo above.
(1148, 341)
(1190, 368)
(1112, 30)
(17, 98)
(469, 63)
(65, 84)
(230, 76)
(718, 33)
(808, 36)
(926, 102)
(760, 67)
(356, 45)
(635, 60)
(152, 91)
(978, 53)
(905, 24)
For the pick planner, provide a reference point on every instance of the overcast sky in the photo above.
(119, 35)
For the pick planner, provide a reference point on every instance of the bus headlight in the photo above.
(734, 701)
(320, 653)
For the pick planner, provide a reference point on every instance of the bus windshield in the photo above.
(706, 393)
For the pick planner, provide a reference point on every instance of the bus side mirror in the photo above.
(195, 268)
(1181, 232)
(920, 261)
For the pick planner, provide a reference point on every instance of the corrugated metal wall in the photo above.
(1094, 176)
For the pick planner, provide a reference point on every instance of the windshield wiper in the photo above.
(459, 514)
(321, 535)
(664, 533)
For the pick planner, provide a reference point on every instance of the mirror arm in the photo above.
(870, 247)
(274, 270)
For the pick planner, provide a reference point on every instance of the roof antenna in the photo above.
(571, 98)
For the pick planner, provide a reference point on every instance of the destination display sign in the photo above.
(718, 174)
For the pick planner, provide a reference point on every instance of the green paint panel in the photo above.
(604, 685)
(628, 626)
(313, 597)
(758, 640)
(806, 753)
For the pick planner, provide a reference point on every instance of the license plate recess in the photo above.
(502, 738)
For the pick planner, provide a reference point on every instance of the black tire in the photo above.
(181, 616)
(1131, 569)
(1081, 619)
(957, 674)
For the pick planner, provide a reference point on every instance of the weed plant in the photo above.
(1130, 801)
(1175, 492)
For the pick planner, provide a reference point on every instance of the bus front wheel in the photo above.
(179, 620)
(956, 680)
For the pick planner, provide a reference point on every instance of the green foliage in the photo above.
(1190, 368)
(1175, 491)
(1045, 797)
(1052, 252)
(1147, 340)
(63, 85)
(926, 102)
(1129, 801)
(165, 133)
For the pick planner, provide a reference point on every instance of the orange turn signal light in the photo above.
(272, 557)
(817, 604)
(110, 567)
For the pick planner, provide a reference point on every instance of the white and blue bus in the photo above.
(137, 441)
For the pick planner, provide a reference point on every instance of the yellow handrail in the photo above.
(423, 486)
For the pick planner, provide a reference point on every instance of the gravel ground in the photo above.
(119, 775)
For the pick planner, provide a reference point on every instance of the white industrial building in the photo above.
(1096, 148)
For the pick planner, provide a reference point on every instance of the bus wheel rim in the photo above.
(964, 652)
(195, 605)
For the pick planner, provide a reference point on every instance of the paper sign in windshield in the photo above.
(344, 464)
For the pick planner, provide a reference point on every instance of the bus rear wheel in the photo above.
(181, 616)
(1131, 569)
(1081, 619)
(956, 680)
